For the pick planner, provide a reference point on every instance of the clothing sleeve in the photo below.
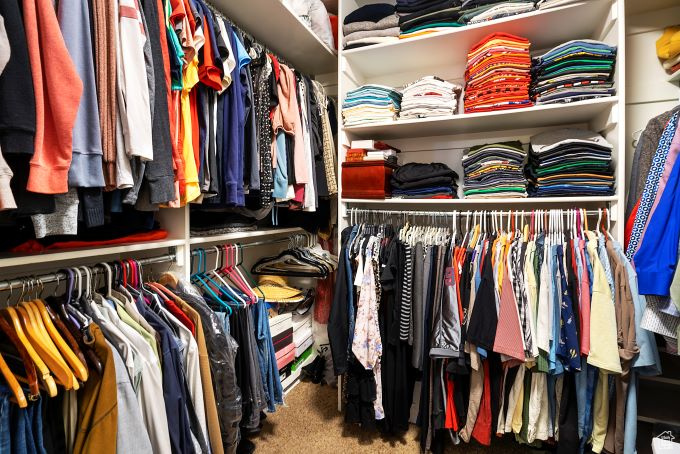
(133, 88)
(657, 257)
(338, 322)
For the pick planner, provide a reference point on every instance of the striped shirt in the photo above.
(406, 292)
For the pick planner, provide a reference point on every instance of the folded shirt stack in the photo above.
(370, 104)
(495, 170)
(498, 74)
(547, 4)
(370, 24)
(574, 71)
(477, 11)
(570, 162)
(429, 96)
(424, 181)
(421, 17)
(668, 49)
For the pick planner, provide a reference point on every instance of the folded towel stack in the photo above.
(477, 11)
(570, 162)
(495, 170)
(429, 96)
(421, 17)
(498, 74)
(668, 49)
(370, 24)
(424, 181)
(574, 71)
(369, 104)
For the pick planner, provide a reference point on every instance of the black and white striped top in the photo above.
(406, 292)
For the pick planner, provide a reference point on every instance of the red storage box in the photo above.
(366, 180)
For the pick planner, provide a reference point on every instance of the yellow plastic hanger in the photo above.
(43, 371)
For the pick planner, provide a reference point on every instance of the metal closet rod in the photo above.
(360, 211)
(60, 276)
(254, 244)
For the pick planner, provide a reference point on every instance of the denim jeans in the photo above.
(266, 357)
(591, 378)
(5, 432)
(18, 422)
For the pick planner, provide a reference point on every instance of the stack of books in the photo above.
(371, 150)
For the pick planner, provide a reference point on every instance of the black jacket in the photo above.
(17, 109)
(338, 320)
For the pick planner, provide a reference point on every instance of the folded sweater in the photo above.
(382, 24)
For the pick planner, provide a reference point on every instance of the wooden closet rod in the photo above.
(62, 276)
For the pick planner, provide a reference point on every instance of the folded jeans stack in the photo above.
(668, 49)
(477, 11)
(574, 71)
(424, 181)
(370, 104)
(429, 96)
(421, 17)
(495, 170)
(570, 162)
(370, 24)
(498, 74)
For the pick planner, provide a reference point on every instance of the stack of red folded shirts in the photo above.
(498, 74)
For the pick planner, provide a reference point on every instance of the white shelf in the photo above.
(675, 77)
(543, 28)
(499, 201)
(530, 117)
(644, 6)
(244, 236)
(275, 26)
(85, 253)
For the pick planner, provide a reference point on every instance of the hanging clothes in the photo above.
(514, 329)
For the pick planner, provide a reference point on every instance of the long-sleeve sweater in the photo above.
(17, 109)
(86, 164)
(57, 96)
(104, 18)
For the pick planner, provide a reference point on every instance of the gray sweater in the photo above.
(86, 164)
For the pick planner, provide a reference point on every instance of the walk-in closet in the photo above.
(339, 226)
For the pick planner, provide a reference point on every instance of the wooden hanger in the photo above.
(44, 372)
(79, 369)
(49, 354)
(13, 384)
(31, 377)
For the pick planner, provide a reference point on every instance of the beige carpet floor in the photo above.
(311, 424)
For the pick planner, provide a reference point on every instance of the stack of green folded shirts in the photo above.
(495, 170)
(574, 71)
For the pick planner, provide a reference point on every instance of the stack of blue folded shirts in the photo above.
(570, 162)
(369, 104)
(574, 71)
(495, 170)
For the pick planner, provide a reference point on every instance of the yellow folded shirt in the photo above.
(668, 46)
